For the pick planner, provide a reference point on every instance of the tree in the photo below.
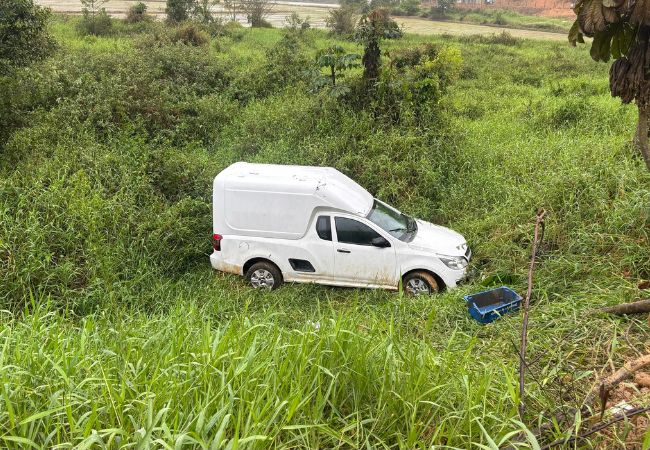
(297, 24)
(443, 7)
(23, 34)
(203, 11)
(621, 30)
(336, 59)
(137, 13)
(179, 10)
(96, 20)
(373, 28)
(355, 5)
(256, 11)
(232, 6)
(341, 21)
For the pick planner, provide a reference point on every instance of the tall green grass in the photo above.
(184, 379)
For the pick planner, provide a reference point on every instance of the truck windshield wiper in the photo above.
(398, 229)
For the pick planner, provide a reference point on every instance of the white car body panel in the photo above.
(270, 212)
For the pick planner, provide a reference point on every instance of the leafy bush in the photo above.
(296, 23)
(24, 37)
(233, 30)
(286, 63)
(137, 13)
(190, 34)
(95, 24)
(179, 10)
(203, 12)
(406, 8)
(442, 9)
(341, 21)
(256, 12)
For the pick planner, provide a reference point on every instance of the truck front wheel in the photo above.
(420, 283)
(264, 275)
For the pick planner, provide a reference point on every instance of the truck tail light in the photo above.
(216, 242)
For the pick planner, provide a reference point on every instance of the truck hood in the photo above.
(438, 239)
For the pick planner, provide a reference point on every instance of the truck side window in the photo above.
(350, 231)
(324, 228)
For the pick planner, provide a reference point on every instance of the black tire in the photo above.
(420, 283)
(264, 275)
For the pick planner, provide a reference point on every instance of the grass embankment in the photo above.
(503, 18)
(117, 331)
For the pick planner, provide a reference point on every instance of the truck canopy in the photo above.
(278, 201)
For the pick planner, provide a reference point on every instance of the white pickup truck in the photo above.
(275, 223)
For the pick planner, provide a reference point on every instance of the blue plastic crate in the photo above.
(487, 306)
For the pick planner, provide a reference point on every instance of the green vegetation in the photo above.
(137, 13)
(23, 34)
(96, 20)
(115, 329)
(501, 18)
(621, 32)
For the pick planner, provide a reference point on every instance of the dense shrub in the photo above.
(23, 33)
(406, 8)
(256, 12)
(233, 30)
(179, 10)
(95, 24)
(286, 62)
(137, 13)
(191, 34)
(341, 21)
(296, 23)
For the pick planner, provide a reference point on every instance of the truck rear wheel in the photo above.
(264, 275)
(420, 283)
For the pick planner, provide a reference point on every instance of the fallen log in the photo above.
(640, 307)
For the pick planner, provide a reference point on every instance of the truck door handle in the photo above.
(340, 250)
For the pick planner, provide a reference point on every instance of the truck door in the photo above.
(359, 256)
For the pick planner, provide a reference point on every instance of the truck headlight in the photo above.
(454, 262)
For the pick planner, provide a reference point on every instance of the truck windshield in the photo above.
(394, 222)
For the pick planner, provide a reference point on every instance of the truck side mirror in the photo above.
(380, 242)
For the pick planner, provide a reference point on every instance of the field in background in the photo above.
(461, 22)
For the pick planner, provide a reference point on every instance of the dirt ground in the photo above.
(317, 14)
(629, 435)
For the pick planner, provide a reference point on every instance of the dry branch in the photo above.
(640, 307)
(539, 224)
(622, 374)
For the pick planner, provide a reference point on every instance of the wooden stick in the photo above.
(640, 307)
(539, 223)
(625, 372)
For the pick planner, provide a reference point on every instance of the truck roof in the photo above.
(336, 189)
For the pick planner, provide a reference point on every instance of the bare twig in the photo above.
(539, 223)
